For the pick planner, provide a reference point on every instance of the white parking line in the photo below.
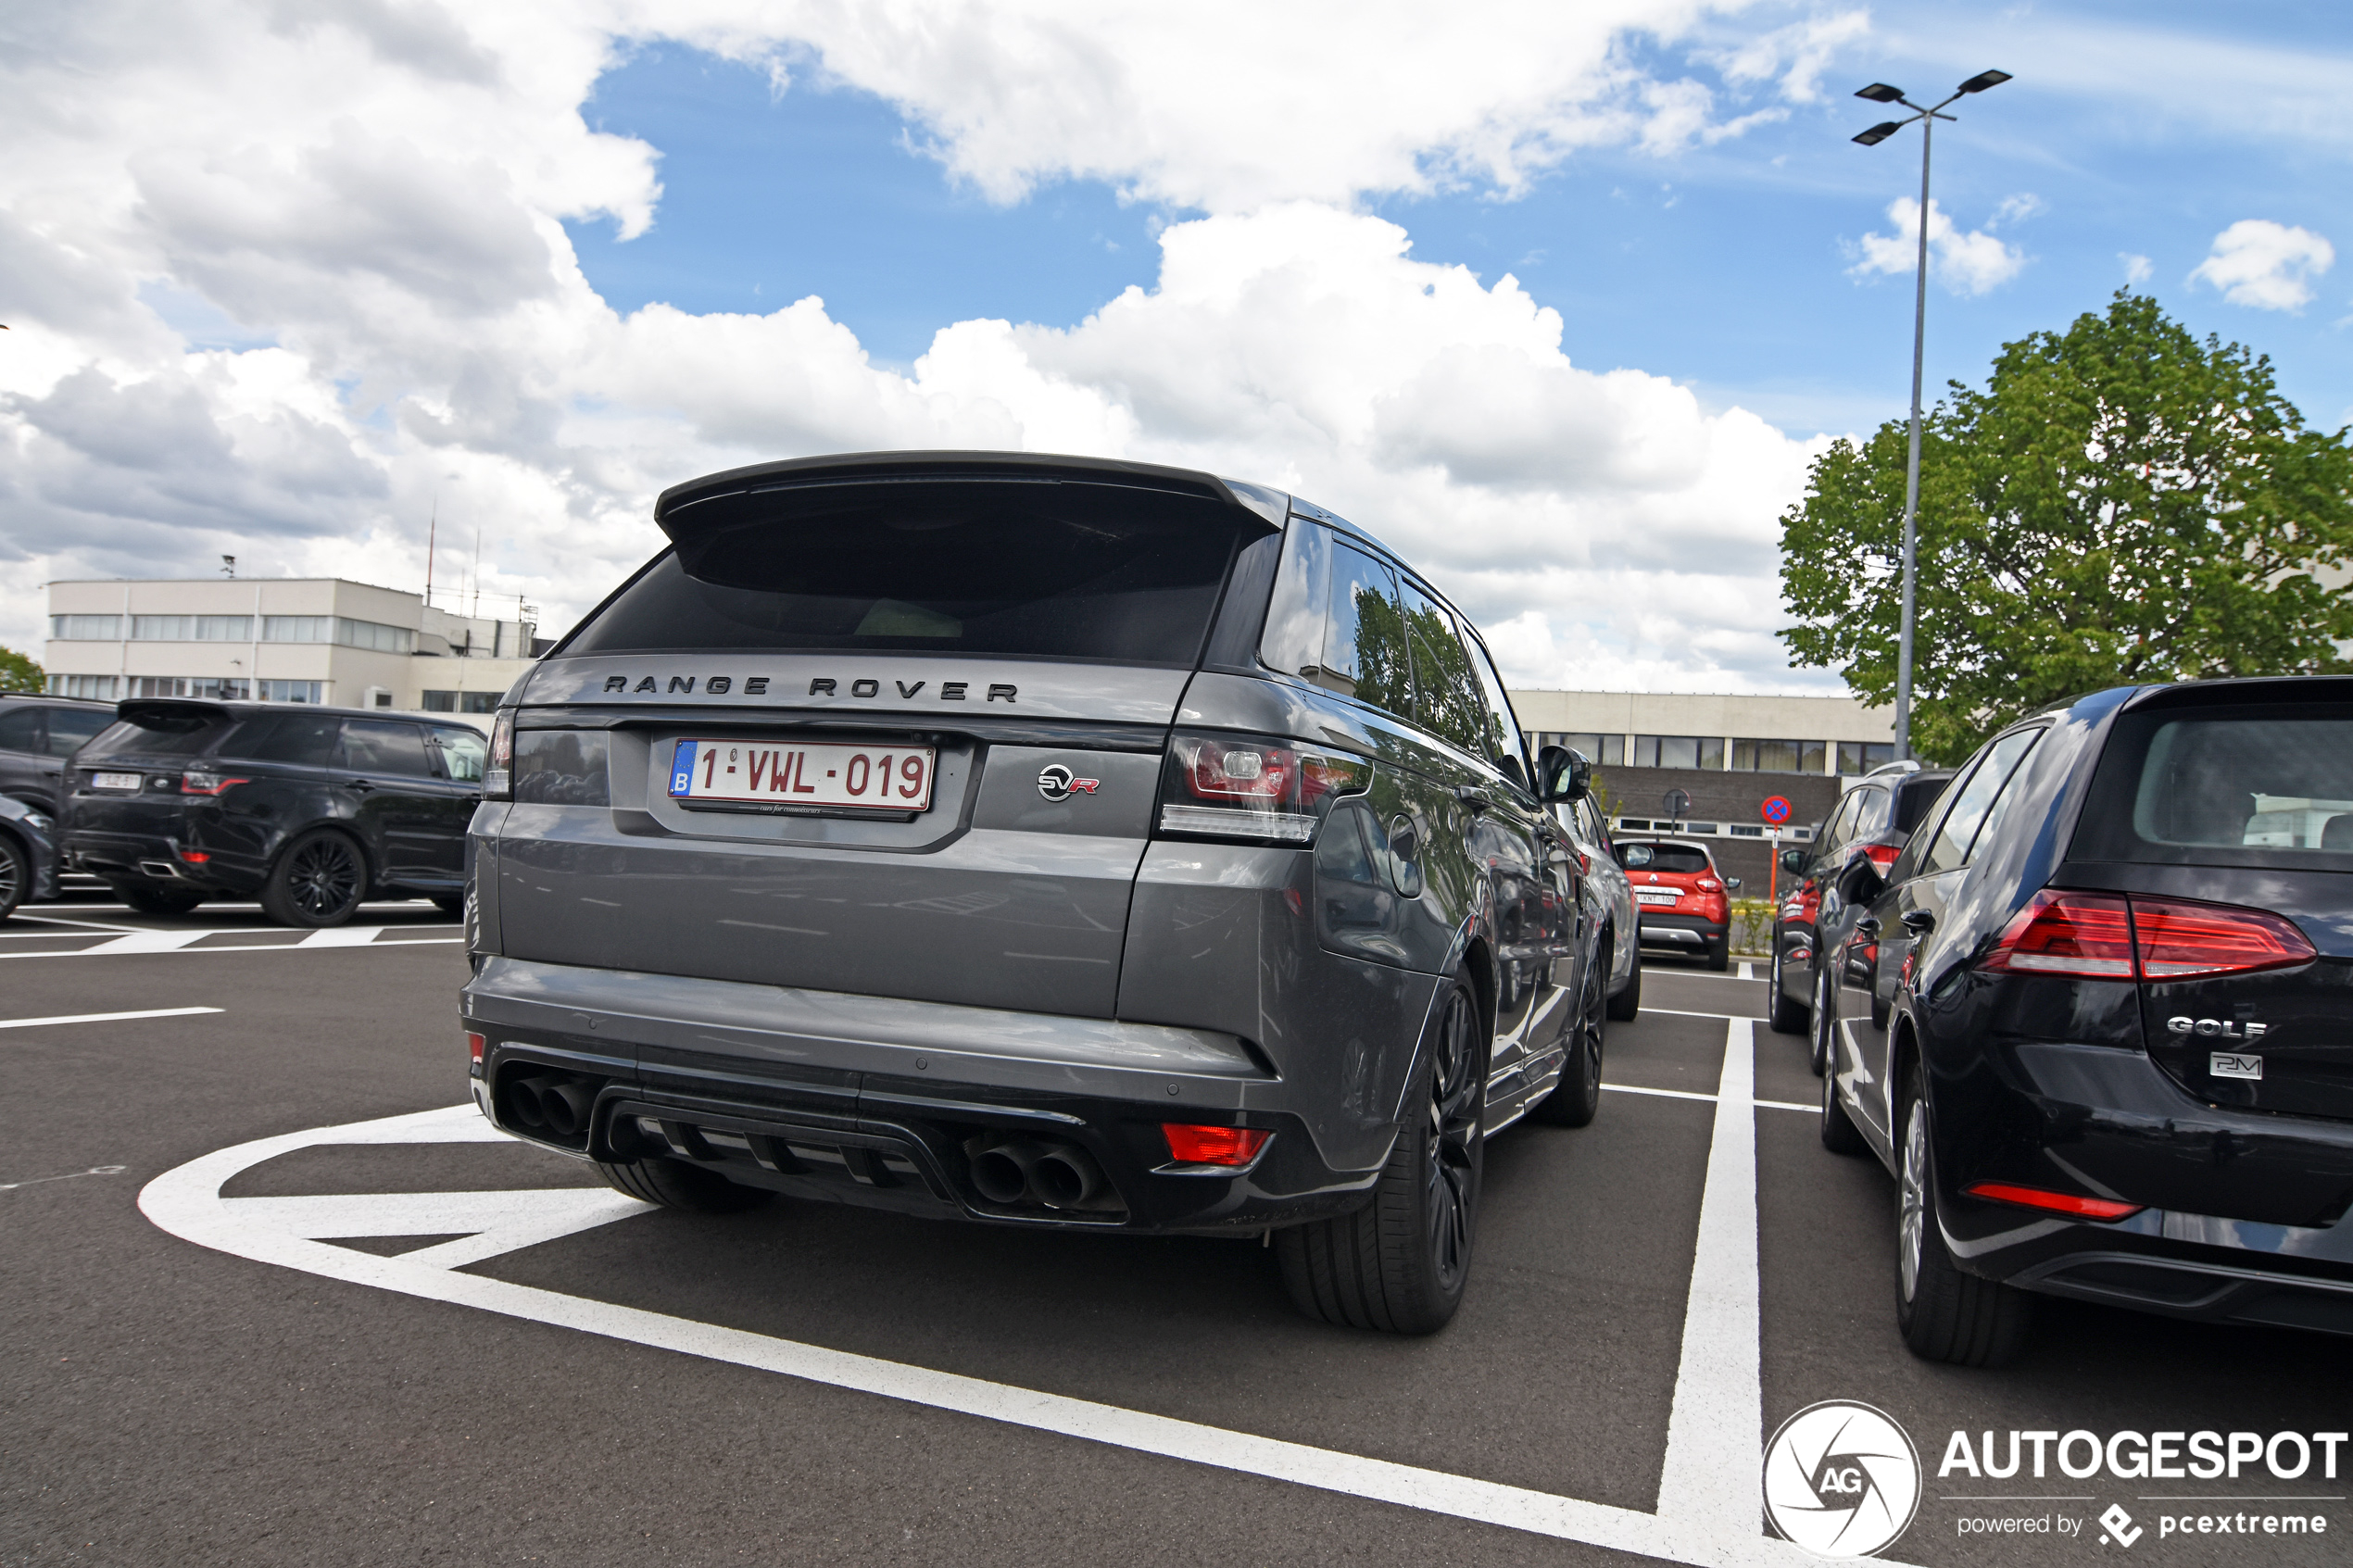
(150, 942)
(1716, 1433)
(102, 1017)
(1716, 1522)
(1745, 973)
(1694, 1094)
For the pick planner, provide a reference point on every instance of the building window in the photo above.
(296, 628)
(461, 702)
(225, 690)
(1678, 751)
(103, 687)
(192, 628)
(1606, 751)
(1861, 757)
(1779, 756)
(370, 634)
(293, 691)
(441, 702)
(86, 627)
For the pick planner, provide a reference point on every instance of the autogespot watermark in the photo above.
(2083, 1455)
(1842, 1479)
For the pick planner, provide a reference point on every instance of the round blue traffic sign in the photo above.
(1776, 810)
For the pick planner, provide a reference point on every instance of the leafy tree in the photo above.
(2121, 503)
(19, 673)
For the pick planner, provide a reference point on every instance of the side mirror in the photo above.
(1793, 862)
(1562, 774)
(1732, 884)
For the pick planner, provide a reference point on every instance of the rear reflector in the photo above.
(2053, 1202)
(474, 1045)
(1883, 854)
(1190, 1144)
(2108, 936)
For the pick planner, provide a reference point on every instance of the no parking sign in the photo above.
(1775, 810)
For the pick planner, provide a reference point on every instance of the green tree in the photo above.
(2121, 503)
(19, 673)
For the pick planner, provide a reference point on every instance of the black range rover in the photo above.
(310, 808)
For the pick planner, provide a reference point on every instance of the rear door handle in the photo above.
(1473, 796)
(1866, 928)
(362, 785)
(1920, 923)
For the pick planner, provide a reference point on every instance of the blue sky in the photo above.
(1725, 267)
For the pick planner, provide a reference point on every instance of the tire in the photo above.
(1628, 1002)
(1943, 1313)
(1825, 1022)
(449, 903)
(16, 875)
(1781, 1015)
(1398, 1263)
(1576, 1095)
(317, 882)
(673, 1184)
(149, 898)
(1839, 1134)
(1719, 954)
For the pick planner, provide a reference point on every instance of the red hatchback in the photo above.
(1683, 904)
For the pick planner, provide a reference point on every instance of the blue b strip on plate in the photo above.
(682, 768)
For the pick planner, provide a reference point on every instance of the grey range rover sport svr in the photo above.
(1040, 841)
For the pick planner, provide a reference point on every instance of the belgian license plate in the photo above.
(1656, 897)
(894, 778)
(115, 781)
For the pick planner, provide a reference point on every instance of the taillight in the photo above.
(1883, 854)
(1190, 1144)
(2084, 934)
(1220, 786)
(1707, 885)
(2053, 1202)
(2179, 940)
(199, 781)
(496, 775)
(474, 1049)
(2109, 936)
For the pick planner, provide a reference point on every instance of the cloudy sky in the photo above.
(1558, 298)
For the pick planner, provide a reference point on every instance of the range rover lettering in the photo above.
(1036, 841)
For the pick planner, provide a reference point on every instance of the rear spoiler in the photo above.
(684, 511)
(172, 715)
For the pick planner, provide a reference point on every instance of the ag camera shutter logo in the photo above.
(1842, 1479)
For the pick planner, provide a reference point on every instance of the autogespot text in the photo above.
(2155, 1455)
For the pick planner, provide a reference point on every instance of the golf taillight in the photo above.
(1192, 1145)
(2071, 1203)
(2111, 936)
(2088, 935)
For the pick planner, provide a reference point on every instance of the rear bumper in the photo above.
(156, 856)
(1690, 932)
(884, 1102)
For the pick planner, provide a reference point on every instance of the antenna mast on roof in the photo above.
(431, 529)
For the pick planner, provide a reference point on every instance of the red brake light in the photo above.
(2085, 935)
(474, 1045)
(195, 857)
(1228, 787)
(1190, 1144)
(2055, 1202)
(1883, 854)
(2178, 940)
(1215, 771)
(205, 782)
(2107, 936)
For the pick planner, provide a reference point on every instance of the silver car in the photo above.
(1043, 842)
(1609, 903)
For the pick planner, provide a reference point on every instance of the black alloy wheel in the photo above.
(1825, 1020)
(1943, 1313)
(316, 882)
(1577, 1093)
(1839, 1134)
(1781, 1015)
(1398, 1263)
(16, 875)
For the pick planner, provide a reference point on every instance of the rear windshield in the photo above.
(192, 737)
(1685, 859)
(2269, 786)
(1014, 570)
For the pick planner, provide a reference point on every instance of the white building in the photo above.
(1817, 736)
(283, 640)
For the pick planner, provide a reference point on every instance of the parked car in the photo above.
(1685, 903)
(1036, 841)
(2098, 1021)
(310, 808)
(28, 856)
(1873, 820)
(37, 734)
(1609, 902)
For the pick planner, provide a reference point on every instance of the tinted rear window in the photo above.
(1683, 860)
(1018, 569)
(191, 737)
(2238, 786)
(306, 739)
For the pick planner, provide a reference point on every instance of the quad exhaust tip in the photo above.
(546, 1102)
(1018, 1170)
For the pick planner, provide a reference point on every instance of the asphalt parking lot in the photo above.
(415, 1341)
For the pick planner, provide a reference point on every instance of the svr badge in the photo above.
(1056, 782)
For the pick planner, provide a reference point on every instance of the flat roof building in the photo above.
(320, 639)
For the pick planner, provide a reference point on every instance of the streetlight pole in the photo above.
(1880, 92)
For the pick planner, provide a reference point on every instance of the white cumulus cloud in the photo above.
(283, 280)
(2265, 265)
(1968, 261)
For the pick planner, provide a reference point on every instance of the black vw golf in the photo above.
(310, 808)
(2099, 1019)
